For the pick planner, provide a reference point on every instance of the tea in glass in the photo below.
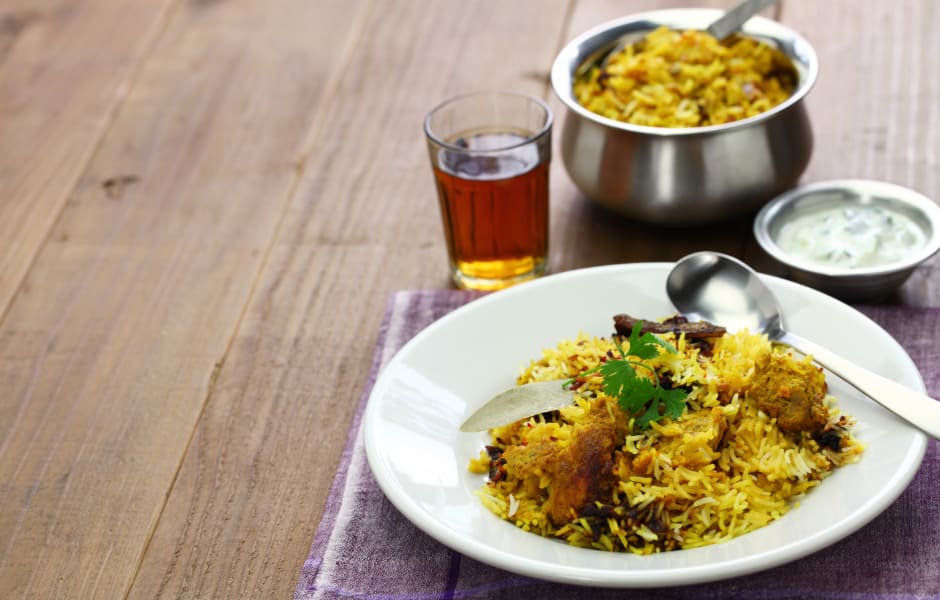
(490, 155)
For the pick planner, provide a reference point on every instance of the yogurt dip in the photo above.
(851, 237)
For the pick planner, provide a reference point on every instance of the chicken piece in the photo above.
(793, 392)
(583, 472)
(528, 460)
(579, 471)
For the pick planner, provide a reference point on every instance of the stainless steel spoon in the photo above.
(732, 20)
(716, 287)
(728, 23)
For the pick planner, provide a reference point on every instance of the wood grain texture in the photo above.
(363, 223)
(110, 348)
(64, 68)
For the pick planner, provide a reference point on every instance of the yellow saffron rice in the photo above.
(687, 79)
(722, 469)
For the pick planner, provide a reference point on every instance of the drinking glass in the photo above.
(490, 153)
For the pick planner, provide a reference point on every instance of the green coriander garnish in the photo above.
(637, 394)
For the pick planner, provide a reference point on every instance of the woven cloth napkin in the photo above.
(365, 548)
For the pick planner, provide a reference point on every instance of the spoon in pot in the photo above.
(720, 29)
(718, 288)
(732, 20)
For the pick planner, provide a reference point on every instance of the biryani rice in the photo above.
(722, 469)
(687, 79)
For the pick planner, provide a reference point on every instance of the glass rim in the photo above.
(534, 137)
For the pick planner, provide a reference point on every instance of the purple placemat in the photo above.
(365, 548)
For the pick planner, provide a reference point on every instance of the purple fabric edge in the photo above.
(335, 497)
(334, 500)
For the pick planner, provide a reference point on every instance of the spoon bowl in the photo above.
(715, 287)
(708, 286)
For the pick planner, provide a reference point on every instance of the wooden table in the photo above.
(204, 206)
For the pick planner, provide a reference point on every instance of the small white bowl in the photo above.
(908, 209)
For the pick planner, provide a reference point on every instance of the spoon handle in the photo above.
(732, 20)
(920, 410)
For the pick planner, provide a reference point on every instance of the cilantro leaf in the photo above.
(635, 392)
(633, 398)
(618, 376)
(673, 401)
(643, 347)
(651, 414)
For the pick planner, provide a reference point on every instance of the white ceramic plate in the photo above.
(433, 383)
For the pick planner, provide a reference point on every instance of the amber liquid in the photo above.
(495, 210)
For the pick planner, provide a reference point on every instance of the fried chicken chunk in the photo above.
(792, 391)
(583, 472)
(580, 471)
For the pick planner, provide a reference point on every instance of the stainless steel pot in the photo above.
(685, 175)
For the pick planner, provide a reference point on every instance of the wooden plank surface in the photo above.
(196, 250)
(112, 344)
(64, 68)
